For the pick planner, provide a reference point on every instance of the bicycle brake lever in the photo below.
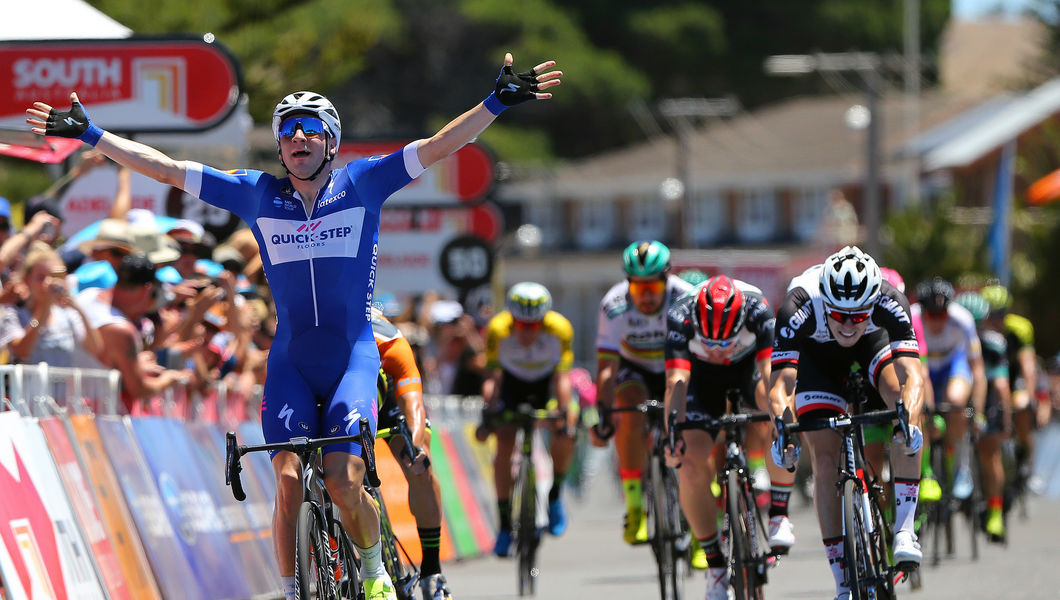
(368, 452)
(903, 421)
(233, 467)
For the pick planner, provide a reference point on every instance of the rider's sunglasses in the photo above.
(311, 126)
(719, 343)
(639, 288)
(840, 316)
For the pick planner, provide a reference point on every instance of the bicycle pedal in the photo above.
(907, 566)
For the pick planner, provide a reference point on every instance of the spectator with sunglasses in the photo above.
(719, 337)
(836, 314)
(318, 230)
(630, 366)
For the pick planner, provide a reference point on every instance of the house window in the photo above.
(756, 216)
(647, 219)
(808, 207)
(594, 223)
(708, 218)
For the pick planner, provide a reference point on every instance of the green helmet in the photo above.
(997, 297)
(975, 304)
(646, 259)
(693, 276)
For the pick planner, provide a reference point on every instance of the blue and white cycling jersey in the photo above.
(321, 271)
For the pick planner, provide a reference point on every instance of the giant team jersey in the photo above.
(801, 321)
(627, 333)
(320, 266)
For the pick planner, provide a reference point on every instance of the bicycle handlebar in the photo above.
(730, 420)
(410, 450)
(840, 422)
(606, 432)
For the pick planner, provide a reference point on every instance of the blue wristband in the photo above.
(494, 105)
(92, 134)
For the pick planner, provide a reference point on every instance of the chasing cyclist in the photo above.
(404, 396)
(719, 337)
(529, 355)
(996, 418)
(318, 230)
(630, 365)
(836, 314)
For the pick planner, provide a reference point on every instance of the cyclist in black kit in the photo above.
(836, 314)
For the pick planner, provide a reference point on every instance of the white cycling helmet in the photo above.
(308, 103)
(850, 279)
(529, 302)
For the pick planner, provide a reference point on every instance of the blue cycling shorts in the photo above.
(956, 367)
(320, 386)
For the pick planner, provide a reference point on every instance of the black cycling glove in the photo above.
(512, 88)
(73, 123)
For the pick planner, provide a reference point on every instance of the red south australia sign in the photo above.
(126, 85)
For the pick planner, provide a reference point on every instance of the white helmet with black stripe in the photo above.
(850, 279)
(308, 103)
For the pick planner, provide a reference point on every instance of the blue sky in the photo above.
(964, 9)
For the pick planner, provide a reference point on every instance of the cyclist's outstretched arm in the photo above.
(511, 89)
(781, 393)
(909, 370)
(75, 123)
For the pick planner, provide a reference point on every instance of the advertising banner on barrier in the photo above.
(84, 506)
(467, 521)
(259, 567)
(250, 434)
(42, 553)
(164, 550)
(190, 506)
(120, 529)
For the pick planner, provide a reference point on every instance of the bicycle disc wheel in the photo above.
(402, 574)
(313, 570)
(854, 547)
(526, 528)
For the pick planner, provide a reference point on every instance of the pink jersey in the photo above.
(918, 329)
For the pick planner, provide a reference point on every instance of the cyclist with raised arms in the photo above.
(719, 337)
(1023, 370)
(318, 230)
(404, 396)
(996, 419)
(529, 355)
(834, 315)
(955, 365)
(630, 341)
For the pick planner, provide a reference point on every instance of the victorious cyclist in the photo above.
(836, 314)
(630, 365)
(318, 230)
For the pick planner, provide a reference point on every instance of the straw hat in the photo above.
(159, 247)
(112, 234)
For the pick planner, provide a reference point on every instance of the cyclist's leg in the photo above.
(993, 470)
(632, 450)
(502, 484)
(288, 410)
(781, 481)
(697, 501)
(561, 449)
(355, 398)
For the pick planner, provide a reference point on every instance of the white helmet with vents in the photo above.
(308, 103)
(850, 279)
(529, 302)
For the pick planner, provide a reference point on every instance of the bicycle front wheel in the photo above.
(667, 533)
(526, 537)
(855, 548)
(402, 574)
(743, 562)
(313, 570)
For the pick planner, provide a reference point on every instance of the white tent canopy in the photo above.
(56, 20)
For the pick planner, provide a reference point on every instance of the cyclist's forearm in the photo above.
(781, 389)
(454, 135)
(143, 159)
(490, 387)
(605, 383)
(676, 393)
(411, 404)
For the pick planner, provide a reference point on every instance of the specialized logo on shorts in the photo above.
(334, 235)
(285, 414)
(353, 417)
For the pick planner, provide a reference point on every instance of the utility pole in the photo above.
(680, 113)
(867, 65)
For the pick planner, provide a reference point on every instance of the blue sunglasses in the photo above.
(311, 126)
(719, 343)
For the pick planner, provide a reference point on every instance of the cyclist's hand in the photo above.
(980, 422)
(483, 432)
(675, 454)
(514, 88)
(73, 123)
(915, 444)
(600, 434)
(786, 457)
(417, 463)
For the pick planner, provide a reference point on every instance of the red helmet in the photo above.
(719, 311)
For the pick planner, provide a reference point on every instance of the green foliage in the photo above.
(922, 243)
(21, 179)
